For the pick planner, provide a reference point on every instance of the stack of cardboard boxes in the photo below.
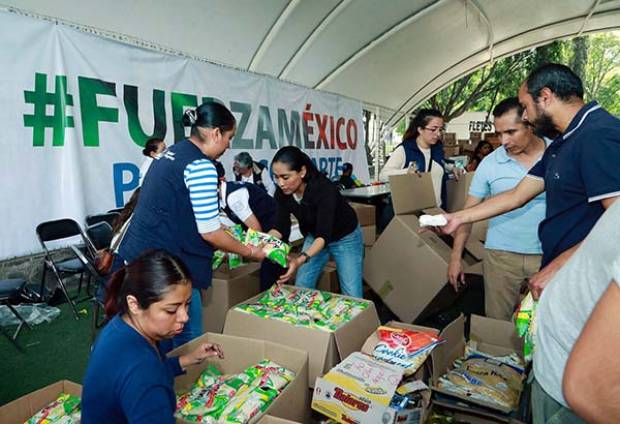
(450, 145)
(366, 216)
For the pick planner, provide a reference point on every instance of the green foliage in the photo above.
(596, 58)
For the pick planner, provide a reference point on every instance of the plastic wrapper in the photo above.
(405, 348)
(236, 232)
(275, 249)
(235, 398)
(65, 409)
(305, 307)
(526, 325)
(479, 376)
(218, 259)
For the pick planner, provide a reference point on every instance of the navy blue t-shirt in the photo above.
(127, 380)
(580, 168)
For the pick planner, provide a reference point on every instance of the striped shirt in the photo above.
(200, 178)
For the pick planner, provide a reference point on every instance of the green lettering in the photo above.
(245, 109)
(137, 134)
(92, 113)
(289, 134)
(264, 130)
(180, 102)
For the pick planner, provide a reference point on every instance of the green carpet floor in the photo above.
(53, 351)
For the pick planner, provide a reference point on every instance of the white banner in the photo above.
(77, 110)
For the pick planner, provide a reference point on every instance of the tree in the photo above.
(580, 56)
(600, 82)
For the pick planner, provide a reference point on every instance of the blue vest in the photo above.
(414, 154)
(263, 206)
(164, 218)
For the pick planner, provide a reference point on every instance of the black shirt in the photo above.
(346, 181)
(322, 212)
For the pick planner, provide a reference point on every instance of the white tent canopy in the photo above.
(391, 55)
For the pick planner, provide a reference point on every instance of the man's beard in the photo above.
(543, 125)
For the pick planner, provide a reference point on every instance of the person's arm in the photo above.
(201, 180)
(504, 202)
(591, 382)
(268, 182)
(539, 280)
(239, 202)
(282, 228)
(198, 355)
(294, 263)
(394, 164)
(456, 275)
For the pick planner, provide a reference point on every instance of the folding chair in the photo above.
(100, 234)
(98, 296)
(9, 291)
(61, 229)
(108, 217)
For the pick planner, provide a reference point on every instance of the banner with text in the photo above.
(78, 108)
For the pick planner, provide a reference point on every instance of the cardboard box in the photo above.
(241, 353)
(366, 214)
(449, 139)
(457, 192)
(451, 151)
(325, 348)
(370, 235)
(407, 269)
(228, 288)
(412, 193)
(494, 337)
(359, 390)
(269, 419)
(26, 406)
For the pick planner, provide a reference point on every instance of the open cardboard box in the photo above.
(405, 267)
(325, 349)
(228, 288)
(20, 410)
(457, 192)
(359, 390)
(494, 337)
(366, 214)
(269, 419)
(240, 353)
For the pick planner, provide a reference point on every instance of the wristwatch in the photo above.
(306, 255)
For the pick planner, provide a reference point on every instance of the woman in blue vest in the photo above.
(249, 205)
(421, 149)
(326, 220)
(129, 379)
(178, 206)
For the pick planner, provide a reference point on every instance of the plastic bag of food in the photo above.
(526, 325)
(276, 250)
(60, 409)
(218, 259)
(405, 348)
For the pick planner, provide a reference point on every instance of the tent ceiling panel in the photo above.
(391, 55)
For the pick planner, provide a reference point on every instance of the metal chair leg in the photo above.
(13, 342)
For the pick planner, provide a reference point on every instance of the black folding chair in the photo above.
(100, 234)
(10, 290)
(53, 231)
(108, 217)
(99, 294)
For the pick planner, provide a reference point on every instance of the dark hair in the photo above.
(151, 146)
(209, 115)
(148, 278)
(126, 212)
(508, 105)
(480, 145)
(347, 166)
(560, 79)
(244, 159)
(421, 119)
(221, 172)
(295, 158)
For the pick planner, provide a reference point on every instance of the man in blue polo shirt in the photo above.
(513, 250)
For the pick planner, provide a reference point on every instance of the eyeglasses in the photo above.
(436, 129)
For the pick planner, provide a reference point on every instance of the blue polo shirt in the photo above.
(517, 230)
(580, 168)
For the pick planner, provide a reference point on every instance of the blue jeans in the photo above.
(348, 252)
(193, 327)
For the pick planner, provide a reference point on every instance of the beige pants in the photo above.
(505, 273)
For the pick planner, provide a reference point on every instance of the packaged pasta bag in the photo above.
(218, 259)
(60, 409)
(405, 348)
(276, 250)
(526, 325)
(236, 232)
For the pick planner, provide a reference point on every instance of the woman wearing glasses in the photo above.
(422, 149)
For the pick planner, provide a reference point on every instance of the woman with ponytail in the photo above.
(326, 220)
(178, 206)
(129, 379)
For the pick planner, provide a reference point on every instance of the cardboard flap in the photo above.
(21, 409)
(412, 192)
(352, 335)
(446, 353)
(227, 274)
(495, 333)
